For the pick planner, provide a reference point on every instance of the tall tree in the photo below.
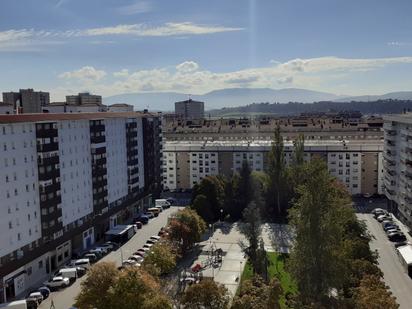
(244, 189)
(161, 255)
(207, 294)
(186, 228)
(95, 289)
(373, 294)
(277, 174)
(315, 258)
(251, 228)
(213, 188)
(299, 150)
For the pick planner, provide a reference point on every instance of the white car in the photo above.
(136, 258)
(57, 282)
(155, 238)
(35, 296)
(148, 245)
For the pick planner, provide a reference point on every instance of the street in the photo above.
(64, 299)
(394, 274)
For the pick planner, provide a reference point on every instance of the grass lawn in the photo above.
(276, 269)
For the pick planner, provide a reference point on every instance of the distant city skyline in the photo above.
(113, 47)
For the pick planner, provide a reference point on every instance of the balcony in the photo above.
(132, 162)
(98, 139)
(47, 147)
(99, 150)
(48, 161)
(47, 175)
(100, 195)
(132, 153)
(53, 187)
(44, 133)
(133, 180)
(96, 172)
(56, 200)
(97, 128)
(100, 162)
(133, 171)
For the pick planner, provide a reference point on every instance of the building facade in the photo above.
(356, 164)
(27, 100)
(65, 180)
(190, 109)
(397, 163)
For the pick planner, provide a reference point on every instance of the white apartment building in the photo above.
(356, 164)
(397, 163)
(63, 177)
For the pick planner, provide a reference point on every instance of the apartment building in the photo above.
(357, 164)
(65, 179)
(27, 100)
(397, 158)
(190, 110)
(314, 127)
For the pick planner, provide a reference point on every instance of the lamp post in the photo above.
(221, 214)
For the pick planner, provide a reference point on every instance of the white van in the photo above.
(18, 304)
(70, 273)
(162, 202)
(85, 263)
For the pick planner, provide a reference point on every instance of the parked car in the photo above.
(85, 263)
(129, 263)
(148, 246)
(143, 219)
(171, 201)
(151, 241)
(380, 213)
(393, 230)
(57, 282)
(91, 256)
(104, 249)
(396, 237)
(374, 211)
(139, 224)
(110, 245)
(136, 258)
(390, 226)
(45, 291)
(149, 214)
(155, 238)
(140, 253)
(400, 244)
(35, 296)
(384, 217)
(70, 273)
(98, 252)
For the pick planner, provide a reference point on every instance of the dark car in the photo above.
(171, 200)
(400, 244)
(390, 226)
(139, 224)
(397, 237)
(143, 219)
(149, 214)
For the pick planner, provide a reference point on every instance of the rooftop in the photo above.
(67, 116)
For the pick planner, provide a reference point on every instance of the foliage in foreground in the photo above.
(161, 257)
(105, 287)
(256, 293)
(186, 228)
(207, 294)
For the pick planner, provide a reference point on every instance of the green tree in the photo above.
(256, 294)
(213, 188)
(244, 190)
(162, 257)
(204, 208)
(373, 294)
(135, 288)
(251, 228)
(299, 150)
(315, 258)
(95, 289)
(186, 228)
(206, 295)
(276, 198)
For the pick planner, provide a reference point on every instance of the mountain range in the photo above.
(233, 97)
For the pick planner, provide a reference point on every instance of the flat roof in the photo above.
(405, 118)
(38, 117)
(406, 253)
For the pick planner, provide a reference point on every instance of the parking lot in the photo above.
(394, 273)
(64, 298)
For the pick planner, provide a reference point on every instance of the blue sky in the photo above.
(108, 47)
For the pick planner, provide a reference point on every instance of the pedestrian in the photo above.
(52, 304)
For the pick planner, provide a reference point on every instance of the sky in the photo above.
(111, 47)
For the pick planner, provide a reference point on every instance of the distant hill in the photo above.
(164, 101)
(401, 95)
(292, 108)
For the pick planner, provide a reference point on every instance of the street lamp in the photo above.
(221, 213)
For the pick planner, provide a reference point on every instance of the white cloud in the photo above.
(168, 29)
(121, 73)
(21, 39)
(187, 67)
(135, 8)
(86, 73)
(189, 77)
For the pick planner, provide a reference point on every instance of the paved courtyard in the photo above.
(227, 237)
